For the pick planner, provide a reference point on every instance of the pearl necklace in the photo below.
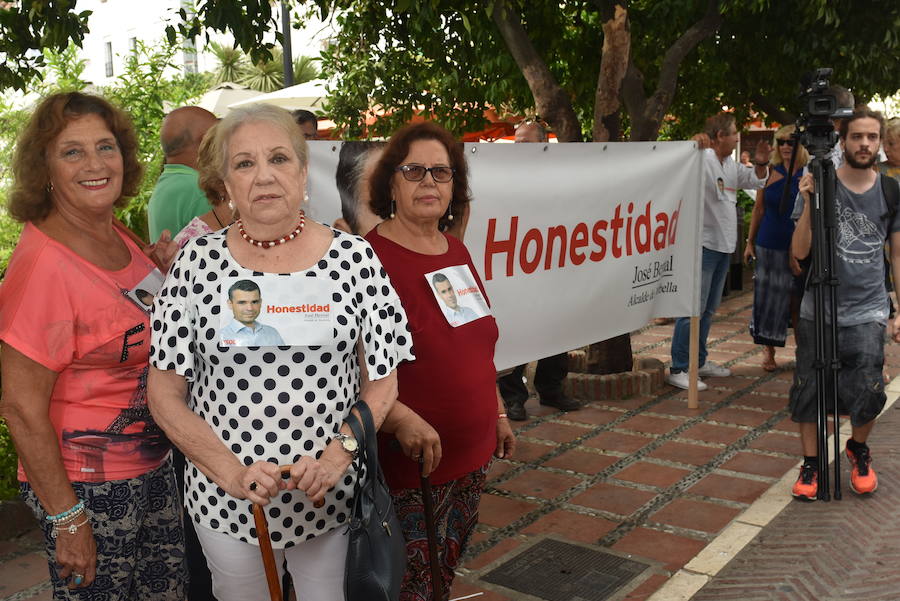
(270, 243)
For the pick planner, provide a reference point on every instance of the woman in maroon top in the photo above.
(449, 418)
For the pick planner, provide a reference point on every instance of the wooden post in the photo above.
(693, 363)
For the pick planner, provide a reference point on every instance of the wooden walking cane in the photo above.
(431, 532)
(265, 543)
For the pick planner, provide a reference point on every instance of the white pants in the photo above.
(316, 566)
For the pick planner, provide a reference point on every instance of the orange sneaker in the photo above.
(863, 479)
(807, 485)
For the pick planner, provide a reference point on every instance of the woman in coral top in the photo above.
(449, 418)
(74, 323)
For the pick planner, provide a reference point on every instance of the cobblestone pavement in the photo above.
(682, 491)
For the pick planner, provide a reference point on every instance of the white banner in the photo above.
(575, 243)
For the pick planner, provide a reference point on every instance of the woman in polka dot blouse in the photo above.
(271, 329)
(449, 418)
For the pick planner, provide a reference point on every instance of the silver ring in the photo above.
(253, 485)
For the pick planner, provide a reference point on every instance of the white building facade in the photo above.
(116, 26)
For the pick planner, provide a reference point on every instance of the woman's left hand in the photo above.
(506, 440)
(315, 477)
(163, 251)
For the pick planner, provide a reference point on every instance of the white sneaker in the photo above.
(680, 380)
(711, 370)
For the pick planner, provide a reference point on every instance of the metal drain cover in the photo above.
(557, 571)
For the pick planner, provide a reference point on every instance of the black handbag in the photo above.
(376, 554)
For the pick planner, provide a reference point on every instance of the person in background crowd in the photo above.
(551, 371)
(222, 213)
(776, 291)
(448, 399)
(745, 158)
(891, 166)
(93, 465)
(238, 413)
(722, 177)
(308, 122)
(177, 198)
(355, 163)
(865, 222)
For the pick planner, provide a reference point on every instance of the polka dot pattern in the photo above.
(275, 404)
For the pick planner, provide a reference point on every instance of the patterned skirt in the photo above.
(773, 287)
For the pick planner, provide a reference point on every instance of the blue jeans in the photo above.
(714, 268)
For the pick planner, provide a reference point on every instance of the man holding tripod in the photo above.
(867, 216)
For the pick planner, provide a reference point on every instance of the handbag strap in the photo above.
(368, 444)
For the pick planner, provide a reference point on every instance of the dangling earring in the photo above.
(305, 197)
(393, 207)
(450, 212)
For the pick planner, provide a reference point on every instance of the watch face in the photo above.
(350, 444)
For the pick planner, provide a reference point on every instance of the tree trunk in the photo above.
(613, 65)
(647, 113)
(550, 100)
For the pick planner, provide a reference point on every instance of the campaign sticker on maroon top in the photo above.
(457, 294)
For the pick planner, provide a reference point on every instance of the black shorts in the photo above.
(860, 380)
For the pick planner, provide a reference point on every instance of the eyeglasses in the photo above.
(790, 143)
(416, 173)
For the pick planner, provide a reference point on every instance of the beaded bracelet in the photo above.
(71, 511)
(70, 518)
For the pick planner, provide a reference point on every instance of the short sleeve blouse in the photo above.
(76, 319)
(279, 403)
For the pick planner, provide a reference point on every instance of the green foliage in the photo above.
(30, 27)
(144, 92)
(248, 21)
(9, 486)
(232, 63)
(305, 69)
(266, 75)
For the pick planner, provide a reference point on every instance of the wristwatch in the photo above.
(349, 444)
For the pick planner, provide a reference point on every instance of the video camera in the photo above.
(819, 107)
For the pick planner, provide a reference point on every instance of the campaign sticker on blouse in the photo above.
(457, 294)
(143, 294)
(276, 311)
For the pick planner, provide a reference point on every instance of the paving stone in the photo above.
(741, 417)
(761, 465)
(780, 443)
(582, 461)
(644, 472)
(463, 587)
(527, 451)
(596, 416)
(22, 573)
(498, 468)
(617, 441)
(672, 550)
(714, 433)
(682, 452)
(538, 483)
(742, 490)
(616, 499)
(678, 406)
(650, 425)
(696, 515)
(499, 511)
(766, 402)
(572, 526)
(557, 432)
